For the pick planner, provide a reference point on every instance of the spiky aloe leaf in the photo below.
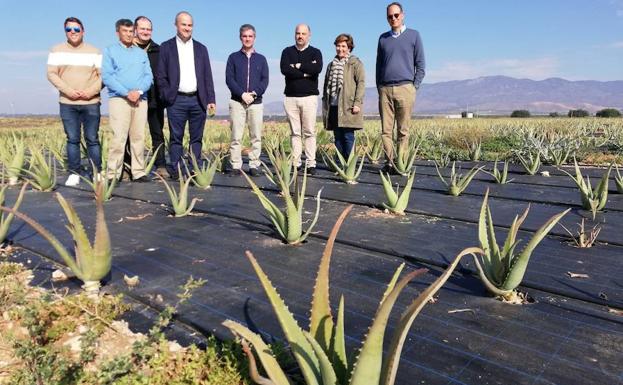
(87, 267)
(274, 213)
(390, 364)
(367, 368)
(390, 194)
(338, 346)
(16, 160)
(520, 263)
(403, 200)
(314, 220)
(301, 348)
(463, 181)
(326, 368)
(179, 201)
(151, 159)
(321, 321)
(531, 164)
(618, 179)
(41, 172)
(270, 364)
(5, 221)
(204, 174)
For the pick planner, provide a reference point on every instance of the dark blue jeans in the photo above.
(185, 109)
(344, 137)
(87, 116)
(344, 140)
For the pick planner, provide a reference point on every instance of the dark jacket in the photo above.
(351, 95)
(246, 74)
(301, 81)
(168, 73)
(153, 53)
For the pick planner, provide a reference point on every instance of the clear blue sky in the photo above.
(536, 39)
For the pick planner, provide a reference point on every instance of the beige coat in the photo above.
(351, 95)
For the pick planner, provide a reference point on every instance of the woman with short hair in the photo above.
(342, 99)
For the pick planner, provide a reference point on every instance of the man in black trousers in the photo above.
(155, 107)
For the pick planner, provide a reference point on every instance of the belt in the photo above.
(187, 93)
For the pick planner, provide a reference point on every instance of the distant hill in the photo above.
(502, 94)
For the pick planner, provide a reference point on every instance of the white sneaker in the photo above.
(72, 180)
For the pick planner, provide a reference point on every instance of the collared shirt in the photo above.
(396, 34)
(125, 69)
(302, 49)
(248, 53)
(188, 77)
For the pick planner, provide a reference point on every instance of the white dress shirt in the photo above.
(186, 53)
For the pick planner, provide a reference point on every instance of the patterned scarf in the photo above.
(336, 76)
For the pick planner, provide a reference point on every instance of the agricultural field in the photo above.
(495, 257)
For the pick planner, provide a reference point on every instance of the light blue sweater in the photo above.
(400, 60)
(125, 69)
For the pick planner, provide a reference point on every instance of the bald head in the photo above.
(302, 33)
(184, 25)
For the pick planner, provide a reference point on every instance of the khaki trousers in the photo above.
(301, 112)
(126, 121)
(241, 114)
(395, 106)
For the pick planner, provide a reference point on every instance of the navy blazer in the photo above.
(168, 74)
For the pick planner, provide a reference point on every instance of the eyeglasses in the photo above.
(394, 16)
(75, 29)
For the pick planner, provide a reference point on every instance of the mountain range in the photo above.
(499, 95)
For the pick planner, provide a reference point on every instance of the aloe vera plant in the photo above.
(618, 180)
(7, 219)
(41, 171)
(150, 160)
(288, 222)
(474, 149)
(592, 199)
(91, 262)
(282, 164)
(179, 200)
(14, 159)
(347, 169)
(502, 269)
(397, 201)
(457, 183)
(501, 177)
(403, 163)
(531, 162)
(374, 148)
(108, 185)
(204, 174)
(321, 351)
(443, 159)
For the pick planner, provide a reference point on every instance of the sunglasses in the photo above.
(394, 16)
(75, 29)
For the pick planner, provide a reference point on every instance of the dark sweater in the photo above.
(153, 52)
(246, 74)
(301, 81)
(400, 60)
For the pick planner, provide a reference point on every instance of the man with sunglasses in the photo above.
(74, 68)
(399, 73)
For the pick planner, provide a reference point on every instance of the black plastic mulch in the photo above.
(464, 338)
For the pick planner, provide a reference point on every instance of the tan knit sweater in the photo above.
(76, 68)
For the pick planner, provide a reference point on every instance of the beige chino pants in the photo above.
(126, 121)
(301, 112)
(241, 114)
(395, 107)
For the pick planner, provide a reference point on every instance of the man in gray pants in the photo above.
(399, 73)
